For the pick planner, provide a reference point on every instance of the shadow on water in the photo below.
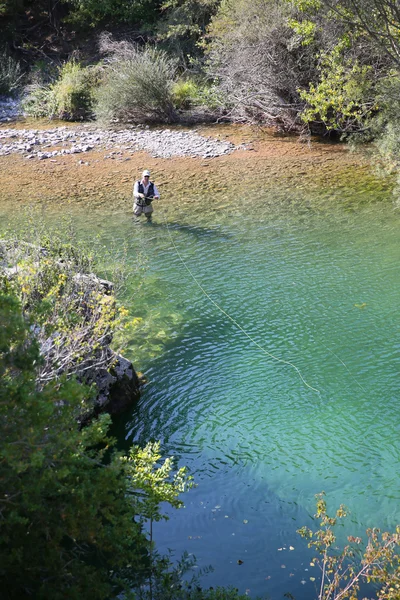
(195, 231)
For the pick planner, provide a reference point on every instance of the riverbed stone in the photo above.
(160, 143)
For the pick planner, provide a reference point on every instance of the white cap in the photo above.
(146, 173)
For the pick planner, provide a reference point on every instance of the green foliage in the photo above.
(71, 522)
(187, 94)
(137, 87)
(70, 96)
(76, 314)
(73, 91)
(182, 25)
(344, 97)
(342, 573)
(184, 94)
(94, 12)
(306, 29)
(10, 74)
(384, 126)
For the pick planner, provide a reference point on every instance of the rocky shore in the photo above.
(80, 347)
(159, 143)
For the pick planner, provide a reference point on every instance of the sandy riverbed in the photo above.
(98, 179)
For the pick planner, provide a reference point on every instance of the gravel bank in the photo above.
(59, 141)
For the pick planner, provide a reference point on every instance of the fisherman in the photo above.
(144, 192)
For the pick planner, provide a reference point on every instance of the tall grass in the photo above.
(137, 86)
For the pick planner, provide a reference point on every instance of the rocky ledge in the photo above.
(160, 143)
(79, 346)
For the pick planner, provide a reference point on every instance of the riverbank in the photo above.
(216, 163)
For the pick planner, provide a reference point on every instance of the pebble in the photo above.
(159, 143)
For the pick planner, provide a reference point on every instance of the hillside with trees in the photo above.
(306, 66)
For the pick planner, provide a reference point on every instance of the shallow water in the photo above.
(270, 341)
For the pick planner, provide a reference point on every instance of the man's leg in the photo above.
(137, 211)
(148, 211)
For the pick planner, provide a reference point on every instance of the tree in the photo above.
(72, 508)
(182, 25)
(379, 19)
(342, 573)
(259, 61)
(345, 93)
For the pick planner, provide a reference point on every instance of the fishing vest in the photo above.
(148, 197)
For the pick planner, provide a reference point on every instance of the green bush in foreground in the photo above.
(72, 509)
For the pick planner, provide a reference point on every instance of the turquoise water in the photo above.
(317, 289)
(302, 397)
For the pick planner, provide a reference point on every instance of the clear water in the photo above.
(320, 291)
(312, 278)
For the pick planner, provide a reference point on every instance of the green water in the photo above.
(313, 278)
(317, 289)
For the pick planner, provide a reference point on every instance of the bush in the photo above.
(137, 86)
(185, 94)
(38, 101)
(73, 91)
(70, 96)
(10, 74)
(344, 572)
(258, 61)
(72, 512)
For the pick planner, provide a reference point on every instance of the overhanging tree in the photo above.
(72, 509)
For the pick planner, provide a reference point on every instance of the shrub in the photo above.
(185, 94)
(258, 61)
(73, 511)
(345, 95)
(137, 86)
(70, 96)
(38, 101)
(344, 572)
(10, 74)
(73, 91)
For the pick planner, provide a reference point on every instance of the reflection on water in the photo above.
(312, 276)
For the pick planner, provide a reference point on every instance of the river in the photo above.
(268, 330)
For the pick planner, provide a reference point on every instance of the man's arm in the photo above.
(156, 192)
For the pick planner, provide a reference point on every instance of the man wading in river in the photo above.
(144, 192)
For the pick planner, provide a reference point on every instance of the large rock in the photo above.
(117, 387)
(113, 377)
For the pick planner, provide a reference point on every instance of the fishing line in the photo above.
(345, 366)
(277, 359)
